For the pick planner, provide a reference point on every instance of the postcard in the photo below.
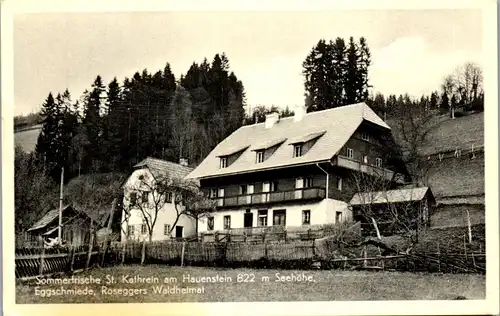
(257, 158)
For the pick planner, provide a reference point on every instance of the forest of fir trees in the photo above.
(112, 127)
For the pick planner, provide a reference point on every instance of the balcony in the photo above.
(348, 163)
(303, 194)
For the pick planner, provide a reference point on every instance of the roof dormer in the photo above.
(302, 144)
(230, 156)
(265, 150)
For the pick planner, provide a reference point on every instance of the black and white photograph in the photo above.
(270, 154)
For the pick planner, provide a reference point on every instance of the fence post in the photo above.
(42, 261)
(72, 259)
(439, 258)
(123, 251)
(110, 225)
(382, 262)
(91, 243)
(365, 262)
(143, 252)
(469, 226)
(182, 253)
(465, 249)
(265, 249)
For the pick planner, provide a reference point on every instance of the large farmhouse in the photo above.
(300, 170)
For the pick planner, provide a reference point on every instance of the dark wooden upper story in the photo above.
(363, 153)
(290, 160)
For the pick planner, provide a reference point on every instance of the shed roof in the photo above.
(390, 196)
(48, 218)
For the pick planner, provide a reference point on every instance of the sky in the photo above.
(412, 50)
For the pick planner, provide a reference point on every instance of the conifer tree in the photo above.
(336, 74)
(47, 139)
(93, 125)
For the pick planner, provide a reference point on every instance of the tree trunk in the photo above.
(376, 228)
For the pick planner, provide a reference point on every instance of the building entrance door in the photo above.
(248, 220)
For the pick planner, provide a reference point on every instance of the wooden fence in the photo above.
(212, 253)
(277, 233)
(33, 262)
(296, 254)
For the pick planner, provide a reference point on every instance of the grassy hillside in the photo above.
(27, 138)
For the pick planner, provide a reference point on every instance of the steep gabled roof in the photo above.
(332, 127)
(158, 166)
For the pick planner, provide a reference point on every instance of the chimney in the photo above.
(183, 162)
(272, 119)
(299, 113)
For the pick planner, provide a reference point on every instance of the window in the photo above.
(274, 186)
(213, 193)
(210, 223)
(243, 189)
(223, 162)
(143, 229)
(365, 136)
(144, 197)
(365, 159)
(297, 151)
(339, 183)
(166, 229)
(260, 156)
(299, 184)
(168, 197)
(338, 217)
(350, 153)
(262, 217)
(133, 198)
(306, 217)
(130, 230)
(227, 222)
(279, 217)
(308, 182)
(179, 231)
(220, 195)
(378, 162)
